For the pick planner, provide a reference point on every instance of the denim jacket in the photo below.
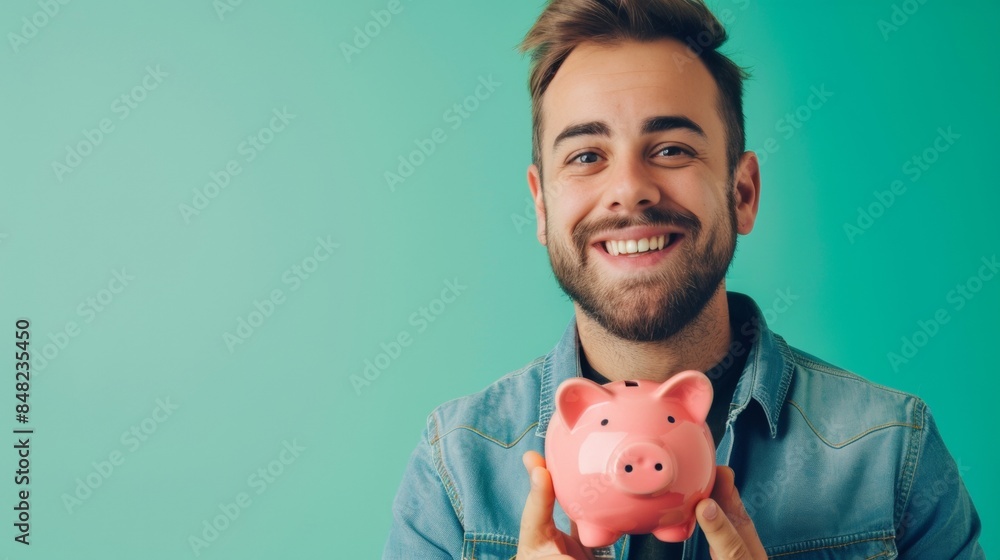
(828, 465)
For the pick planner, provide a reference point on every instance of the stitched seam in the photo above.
(833, 546)
(490, 541)
(494, 440)
(909, 467)
(487, 538)
(786, 379)
(527, 367)
(856, 437)
(505, 378)
(757, 376)
(449, 485)
(545, 404)
(845, 374)
(739, 408)
(735, 409)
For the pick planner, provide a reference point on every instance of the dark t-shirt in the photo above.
(724, 379)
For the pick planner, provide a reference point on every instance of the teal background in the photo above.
(461, 215)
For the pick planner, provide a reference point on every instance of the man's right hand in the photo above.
(540, 539)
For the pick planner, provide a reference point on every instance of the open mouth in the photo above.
(631, 248)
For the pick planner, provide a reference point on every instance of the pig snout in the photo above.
(642, 468)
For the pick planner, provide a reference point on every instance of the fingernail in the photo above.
(711, 511)
(536, 478)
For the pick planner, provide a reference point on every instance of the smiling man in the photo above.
(641, 185)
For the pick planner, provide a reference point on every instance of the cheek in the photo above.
(564, 216)
(710, 207)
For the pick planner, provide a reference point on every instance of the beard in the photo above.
(653, 306)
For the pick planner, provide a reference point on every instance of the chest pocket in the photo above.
(488, 546)
(860, 548)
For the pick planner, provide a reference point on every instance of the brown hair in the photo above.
(564, 24)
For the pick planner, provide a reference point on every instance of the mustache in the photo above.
(651, 216)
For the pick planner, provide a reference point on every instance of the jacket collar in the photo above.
(765, 377)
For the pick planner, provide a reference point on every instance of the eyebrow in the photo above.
(649, 126)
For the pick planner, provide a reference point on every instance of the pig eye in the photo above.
(670, 419)
(604, 422)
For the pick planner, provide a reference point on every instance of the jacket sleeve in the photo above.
(424, 521)
(938, 519)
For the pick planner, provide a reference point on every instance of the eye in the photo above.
(670, 419)
(585, 158)
(677, 151)
(604, 422)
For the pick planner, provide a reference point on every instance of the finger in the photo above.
(724, 540)
(537, 527)
(728, 497)
(532, 459)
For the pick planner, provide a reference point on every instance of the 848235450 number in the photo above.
(22, 369)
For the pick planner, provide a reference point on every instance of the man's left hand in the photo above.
(729, 530)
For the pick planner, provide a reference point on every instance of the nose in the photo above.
(642, 468)
(631, 187)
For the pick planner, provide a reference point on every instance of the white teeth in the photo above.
(633, 246)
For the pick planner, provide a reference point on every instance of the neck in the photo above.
(699, 345)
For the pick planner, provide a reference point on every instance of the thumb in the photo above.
(538, 530)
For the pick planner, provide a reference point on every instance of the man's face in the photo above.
(625, 164)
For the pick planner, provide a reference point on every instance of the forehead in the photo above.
(625, 83)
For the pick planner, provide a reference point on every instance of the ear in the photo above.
(535, 185)
(575, 395)
(692, 388)
(746, 186)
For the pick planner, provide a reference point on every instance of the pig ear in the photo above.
(693, 389)
(575, 395)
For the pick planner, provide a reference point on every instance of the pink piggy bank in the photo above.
(631, 456)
